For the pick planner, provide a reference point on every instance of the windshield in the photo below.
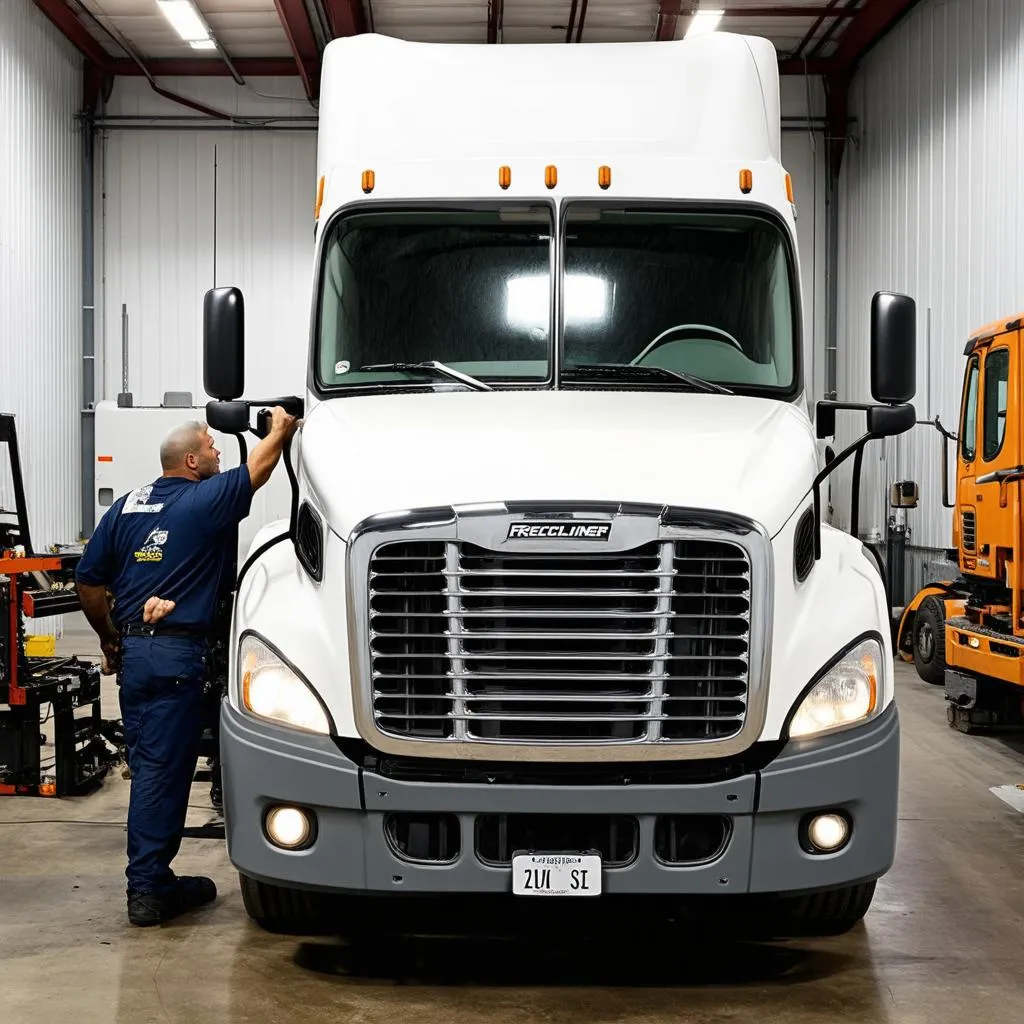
(695, 293)
(705, 296)
(471, 289)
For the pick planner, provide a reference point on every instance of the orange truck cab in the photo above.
(968, 634)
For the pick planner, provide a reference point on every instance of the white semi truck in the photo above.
(555, 613)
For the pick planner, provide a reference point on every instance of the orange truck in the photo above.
(967, 634)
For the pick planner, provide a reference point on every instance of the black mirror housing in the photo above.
(228, 417)
(224, 344)
(889, 420)
(893, 348)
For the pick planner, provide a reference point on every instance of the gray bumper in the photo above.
(856, 772)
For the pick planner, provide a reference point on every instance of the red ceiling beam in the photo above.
(77, 34)
(297, 27)
(869, 24)
(347, 17)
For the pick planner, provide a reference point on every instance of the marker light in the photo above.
(319, 199)
(504, 176)
(288, 827)
(604, 177)
(369, 181)
(789, 189)
(551, 176)
(828, 832)
(746, 181)
(845, 695)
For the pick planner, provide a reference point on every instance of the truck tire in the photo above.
(284, 911)
(929, 641)
(832, 912)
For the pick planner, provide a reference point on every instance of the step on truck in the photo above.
(554, 613)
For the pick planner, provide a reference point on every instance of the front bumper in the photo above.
(856, 772)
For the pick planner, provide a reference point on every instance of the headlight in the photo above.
(847, 693)
(272, 689)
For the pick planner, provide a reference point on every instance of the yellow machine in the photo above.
(968, 633)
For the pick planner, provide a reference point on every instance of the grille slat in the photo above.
(968, 529)
(648, 645)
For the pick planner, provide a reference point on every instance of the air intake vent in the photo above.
(967, 529)
(309, 542)
(803, 546)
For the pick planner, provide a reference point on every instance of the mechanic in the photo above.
(163, 552)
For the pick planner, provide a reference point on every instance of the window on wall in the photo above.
(997, 376)
(969, 427)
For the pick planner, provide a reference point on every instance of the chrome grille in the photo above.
(646, 645)
(968, 529)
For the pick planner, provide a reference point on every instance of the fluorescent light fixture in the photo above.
(527, 300)
(185, 20)
(203, 44)
(703, 22)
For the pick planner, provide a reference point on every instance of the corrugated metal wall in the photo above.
(40, 264)
(175, 201)
(930, 206)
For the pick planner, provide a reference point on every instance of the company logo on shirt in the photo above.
(152, 549)
(137, 501)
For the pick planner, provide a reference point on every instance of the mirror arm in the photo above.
(856, 448)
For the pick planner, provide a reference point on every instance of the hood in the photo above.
(372, 454)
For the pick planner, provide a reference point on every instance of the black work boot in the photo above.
(186, 893)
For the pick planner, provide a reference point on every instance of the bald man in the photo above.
(164, 552)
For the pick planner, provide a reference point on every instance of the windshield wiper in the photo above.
(430, 366)
(623, 371)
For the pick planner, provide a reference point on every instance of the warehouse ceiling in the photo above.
(247, 38)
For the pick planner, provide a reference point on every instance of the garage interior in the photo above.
(142, 167)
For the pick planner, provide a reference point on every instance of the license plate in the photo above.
(556, 874)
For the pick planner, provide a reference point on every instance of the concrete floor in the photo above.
(944, 940)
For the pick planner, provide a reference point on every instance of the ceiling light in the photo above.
(203, 44)
(185, 20)
(704, 22)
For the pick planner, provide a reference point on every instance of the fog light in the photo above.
(828, 832)
(288, 827)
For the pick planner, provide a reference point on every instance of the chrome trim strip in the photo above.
(632, 526)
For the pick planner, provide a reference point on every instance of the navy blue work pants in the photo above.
(161, 706)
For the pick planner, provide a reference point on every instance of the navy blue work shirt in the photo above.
(175, 539)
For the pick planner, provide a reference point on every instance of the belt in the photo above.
(144, 629)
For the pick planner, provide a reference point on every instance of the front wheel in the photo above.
(832, 912)
(281, 910)
(929, 641)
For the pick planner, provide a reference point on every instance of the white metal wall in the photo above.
(174, 201)
(157, 239)
(930, 205)
(40, 265)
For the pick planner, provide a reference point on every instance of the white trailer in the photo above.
(555, 613)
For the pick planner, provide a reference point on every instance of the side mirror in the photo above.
(893, 348)
(224, 343)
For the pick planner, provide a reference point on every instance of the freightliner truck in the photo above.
(554, 613)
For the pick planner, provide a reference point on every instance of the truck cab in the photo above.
(555, 612)
(967, 634)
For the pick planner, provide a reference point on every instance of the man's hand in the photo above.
(111, 660)
(264, 457)
(281, 422)
(155, 609)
